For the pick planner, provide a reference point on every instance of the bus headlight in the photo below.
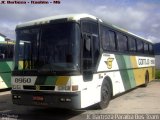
(68, 88)
(64, 88)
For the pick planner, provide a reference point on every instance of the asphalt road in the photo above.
(136, 102)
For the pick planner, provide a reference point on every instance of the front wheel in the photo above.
(106, 93)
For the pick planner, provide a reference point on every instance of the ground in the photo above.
(139, 102)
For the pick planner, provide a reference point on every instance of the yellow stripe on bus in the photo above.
(62, 80)
(133, 61)
(138, 73)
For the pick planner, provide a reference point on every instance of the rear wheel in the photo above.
(146, 79)
(106, 92)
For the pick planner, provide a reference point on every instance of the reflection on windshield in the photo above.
(51, 47)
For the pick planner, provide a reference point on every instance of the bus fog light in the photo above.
(14, 96)
(14, 87)
(19, 97)
(62, 99)
(68, 99)
(18, 87)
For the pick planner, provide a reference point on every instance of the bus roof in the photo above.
(75, 17)
(130, 33)
(45, 20)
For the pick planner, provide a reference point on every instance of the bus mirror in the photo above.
(87, 43)
(2, 56)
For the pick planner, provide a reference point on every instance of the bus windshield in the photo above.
(51, 47)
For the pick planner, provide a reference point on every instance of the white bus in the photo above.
(77, 60)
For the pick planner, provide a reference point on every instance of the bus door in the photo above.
(90, 55)
(89, 61)
(90, 48)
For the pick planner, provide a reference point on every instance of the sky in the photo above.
(141, 17)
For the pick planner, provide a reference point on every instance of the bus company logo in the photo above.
(109, 63)
(37, 87)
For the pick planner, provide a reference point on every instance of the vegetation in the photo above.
(157, 74)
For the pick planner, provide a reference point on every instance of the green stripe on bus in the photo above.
(51, 80)
(40, 80)
(122, 61)
(6, 78)
(46, 80)
(4, 67)
(130, 71)
(5, 72)
(10, 64)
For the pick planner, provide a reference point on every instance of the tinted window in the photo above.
(6, 51)
(10, 51)
(56, 49)
(132, 44)
(108, 39)
(112, 40)
(140, 46)
(3, 51)
(146, 49)
(150, 48)
(95, 49)
(87, 52)
(122, 42)
(90, 27)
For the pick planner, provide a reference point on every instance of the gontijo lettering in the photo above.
(143, 61)
(146, 61)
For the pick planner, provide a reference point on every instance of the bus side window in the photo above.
(87, 47)
(132, 44)
(2, 51)
(2, 56)
(108, 39)
(151, 49)
(146, 48)
(96, 49)
(105, 38)
(10, 51)
(140, 46)
(112, 40)
(122, 42)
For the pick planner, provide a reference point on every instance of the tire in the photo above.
(106, 93)
(146, 79)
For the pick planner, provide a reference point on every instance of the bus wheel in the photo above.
(105, 94)
(146, 79)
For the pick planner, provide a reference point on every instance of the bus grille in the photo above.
(38, 87)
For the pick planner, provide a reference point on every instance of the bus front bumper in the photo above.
(69, 100)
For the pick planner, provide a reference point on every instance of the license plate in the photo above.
(38, 98)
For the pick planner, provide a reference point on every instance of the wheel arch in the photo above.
(147, 75)
(108, 79)
(146, 79)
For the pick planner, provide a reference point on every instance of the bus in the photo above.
(75, 61)
(6, 61)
